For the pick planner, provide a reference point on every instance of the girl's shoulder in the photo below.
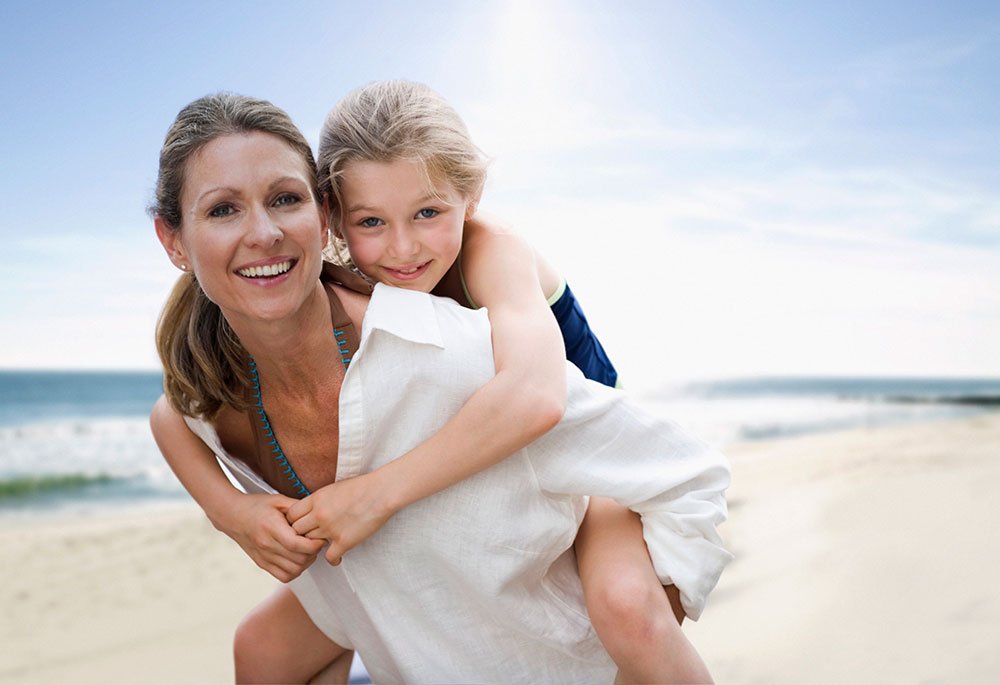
(494, 255)
(491, 242)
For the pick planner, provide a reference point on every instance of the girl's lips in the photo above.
(408, 273)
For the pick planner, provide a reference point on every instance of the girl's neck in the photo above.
(450, 284)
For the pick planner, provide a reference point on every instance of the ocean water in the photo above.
(80, 441)
(726, 411)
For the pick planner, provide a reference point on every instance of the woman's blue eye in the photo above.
(287, 199)
(427, 213)
(370, 222)
(221, 211)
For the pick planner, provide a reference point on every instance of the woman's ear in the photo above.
(171, 241)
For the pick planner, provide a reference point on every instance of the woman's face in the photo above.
(250, 230)
(398, 230)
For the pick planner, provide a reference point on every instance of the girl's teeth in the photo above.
(269, 270)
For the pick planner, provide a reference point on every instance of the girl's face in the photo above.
(250, 230)
(399, 231)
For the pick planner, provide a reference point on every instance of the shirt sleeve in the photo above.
(607, 446)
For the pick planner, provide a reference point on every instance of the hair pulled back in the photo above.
(388, 121)
(204, 363)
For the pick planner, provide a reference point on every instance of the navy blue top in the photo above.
(582, 346)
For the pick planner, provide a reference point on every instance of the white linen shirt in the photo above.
(478, 583)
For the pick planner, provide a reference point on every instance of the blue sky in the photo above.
(731, 188)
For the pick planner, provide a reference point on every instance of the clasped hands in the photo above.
(283, 535)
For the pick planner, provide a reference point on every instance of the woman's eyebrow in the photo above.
(216, 189)
(285, 179)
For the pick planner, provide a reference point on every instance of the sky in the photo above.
(731, 189)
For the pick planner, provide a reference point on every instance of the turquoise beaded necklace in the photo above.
(279, 454)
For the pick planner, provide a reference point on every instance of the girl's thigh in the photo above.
(615, 567)
(278, 642)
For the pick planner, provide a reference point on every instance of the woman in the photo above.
(255, 326)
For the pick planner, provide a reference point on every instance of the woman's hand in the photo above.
(345, 513)
(258, 524)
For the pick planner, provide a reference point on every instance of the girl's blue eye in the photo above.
(427, 213)
(370, 222)
(221, 211)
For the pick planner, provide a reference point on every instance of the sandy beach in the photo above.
(866, 556)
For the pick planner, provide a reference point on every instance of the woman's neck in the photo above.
(293, 354)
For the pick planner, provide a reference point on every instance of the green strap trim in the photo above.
(554, 297)
(465, 288)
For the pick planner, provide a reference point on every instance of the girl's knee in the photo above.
(250, 648)
(630, 599)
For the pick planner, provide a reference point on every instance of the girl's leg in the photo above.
(278, 643)
(630, 610)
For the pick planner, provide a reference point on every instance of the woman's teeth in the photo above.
(269, 270)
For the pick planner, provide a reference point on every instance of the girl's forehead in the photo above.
(396, 176)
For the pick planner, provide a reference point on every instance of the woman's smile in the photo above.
(269, 270)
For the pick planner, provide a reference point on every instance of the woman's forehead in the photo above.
(243, 160)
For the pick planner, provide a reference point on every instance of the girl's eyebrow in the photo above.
(366, 208)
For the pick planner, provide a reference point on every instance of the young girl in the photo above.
(402, 180)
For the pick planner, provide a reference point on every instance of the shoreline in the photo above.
(862, 556)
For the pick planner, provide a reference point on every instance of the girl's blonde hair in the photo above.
(204, 363)
(388, 121)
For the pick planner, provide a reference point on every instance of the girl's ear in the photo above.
(171, 241)
(332, 223)
(472, 205)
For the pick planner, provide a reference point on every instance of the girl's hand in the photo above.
(257, 523)
(345, 513)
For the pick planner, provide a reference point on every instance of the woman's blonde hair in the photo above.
(388, 121)
(204, 363)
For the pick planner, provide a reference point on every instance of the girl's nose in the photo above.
(403, 242)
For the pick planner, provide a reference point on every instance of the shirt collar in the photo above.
(406, 314)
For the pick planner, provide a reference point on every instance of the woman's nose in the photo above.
(262, 230)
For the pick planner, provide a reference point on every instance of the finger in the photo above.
(304, 558)
(304, 524)
(288, 537)
(299, 544)
(275, 571)
(289, 567)
(299, 509)
(283, 503)
(333, 555)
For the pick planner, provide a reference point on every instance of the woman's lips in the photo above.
(265, 270)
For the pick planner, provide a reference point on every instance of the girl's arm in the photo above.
(525, 399)
(256, 522)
